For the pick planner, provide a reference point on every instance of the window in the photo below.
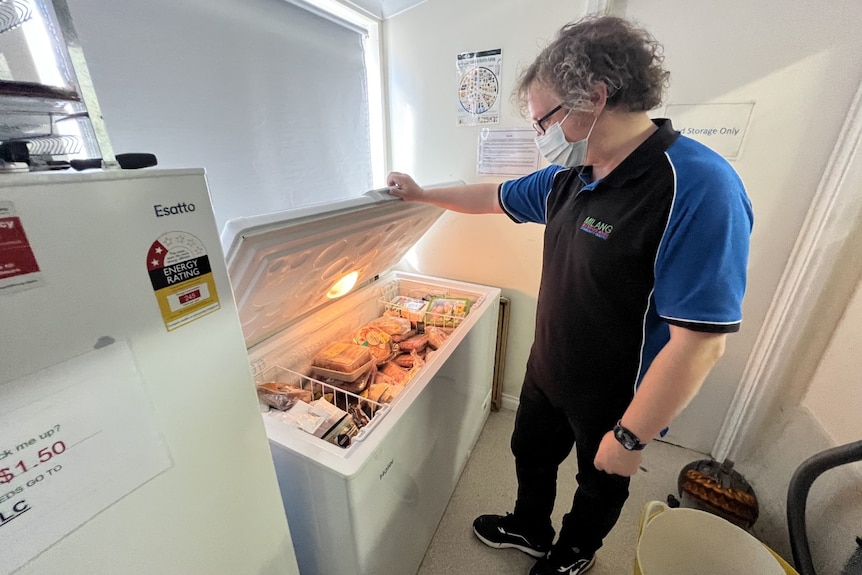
(270, 97)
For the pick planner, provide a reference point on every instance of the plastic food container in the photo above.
(342, 357)
(349, 376)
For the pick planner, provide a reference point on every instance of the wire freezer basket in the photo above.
(352, 418)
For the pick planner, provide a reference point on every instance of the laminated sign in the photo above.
(479, 87)
(18, 267)
(182, 278)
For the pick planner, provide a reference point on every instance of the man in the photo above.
(644, 269)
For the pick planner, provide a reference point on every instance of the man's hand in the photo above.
(614, 458)
(404, 186)
(467, 199)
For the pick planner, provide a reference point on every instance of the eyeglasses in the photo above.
(539, 125)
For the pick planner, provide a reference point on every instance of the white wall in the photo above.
(835, 394)
(421, 45)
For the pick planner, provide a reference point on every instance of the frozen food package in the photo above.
(343, 376)
(447, 311)
(415, 343)
(357, 385)
(376, 341)
(410, 308)
(436, 336)
(339, 427)
(282, 396)
(342, 357)
(394, 326)
(324, 420)
(306, 417)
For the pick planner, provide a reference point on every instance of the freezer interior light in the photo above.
(343, 285)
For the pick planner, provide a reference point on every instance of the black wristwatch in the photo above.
(627, 439)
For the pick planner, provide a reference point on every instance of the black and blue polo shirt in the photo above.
(663, 239)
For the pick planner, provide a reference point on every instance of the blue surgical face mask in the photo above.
(559, 151)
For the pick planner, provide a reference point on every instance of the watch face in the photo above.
(626, 438)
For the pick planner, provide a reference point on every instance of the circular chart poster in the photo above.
(479, 90)
(479, 87)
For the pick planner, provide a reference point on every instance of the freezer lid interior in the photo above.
(286, 265)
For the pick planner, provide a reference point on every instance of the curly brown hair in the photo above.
(606, 49)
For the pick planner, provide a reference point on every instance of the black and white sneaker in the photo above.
(564, 561)
(501, 532)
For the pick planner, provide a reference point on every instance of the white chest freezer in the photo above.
(371, 507)
(130, 435)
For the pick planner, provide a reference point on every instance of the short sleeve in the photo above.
(701, 265)
(526, 199)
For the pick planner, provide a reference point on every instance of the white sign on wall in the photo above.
(722, 127)
(507, 152)
(74, 439)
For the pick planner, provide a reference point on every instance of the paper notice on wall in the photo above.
(478, 84)
(507, 152)
(722, 127)
(74, 439)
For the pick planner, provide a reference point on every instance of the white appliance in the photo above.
(130, 432)
(373, 507)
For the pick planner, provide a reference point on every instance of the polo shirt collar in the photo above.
(644, 156)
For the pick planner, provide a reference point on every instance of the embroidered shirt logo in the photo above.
(597, 228)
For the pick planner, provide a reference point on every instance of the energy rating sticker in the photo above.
(182, 279)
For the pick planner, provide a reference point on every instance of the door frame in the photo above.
(833, 213)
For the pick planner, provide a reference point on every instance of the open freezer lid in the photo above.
(285, 265)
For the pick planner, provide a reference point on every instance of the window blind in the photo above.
(268, 97)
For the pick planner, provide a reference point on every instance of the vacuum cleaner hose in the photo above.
(797, 496)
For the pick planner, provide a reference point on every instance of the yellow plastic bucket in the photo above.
(691, 542)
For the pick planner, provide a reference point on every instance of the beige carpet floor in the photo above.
(488, 485)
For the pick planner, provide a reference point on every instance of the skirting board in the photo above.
(510, 402)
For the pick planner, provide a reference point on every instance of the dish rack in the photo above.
(49, 115)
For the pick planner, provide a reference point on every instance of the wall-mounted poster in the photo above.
(479, 87)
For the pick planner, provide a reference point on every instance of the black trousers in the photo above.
(546, 429)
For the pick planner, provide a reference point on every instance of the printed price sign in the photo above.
(19, 269)
(74, 439)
